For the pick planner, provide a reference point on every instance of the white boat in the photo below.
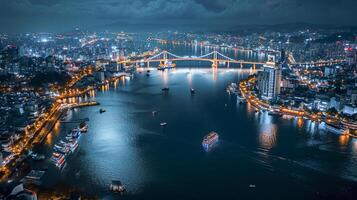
(209, 140)
(35, 175)
(232, 88)
(38, 157)
(166, 65)
(117, 187)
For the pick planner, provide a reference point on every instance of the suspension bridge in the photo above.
(216, 59)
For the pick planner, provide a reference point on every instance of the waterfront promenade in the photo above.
(245, 87)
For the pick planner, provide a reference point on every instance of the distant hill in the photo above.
(149, 26)
(287, 27)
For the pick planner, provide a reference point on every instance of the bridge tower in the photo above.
(164, 60)
(164, 53)
(215, 60)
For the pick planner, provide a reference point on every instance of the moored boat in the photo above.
(83, 127)
(232, 88)
(38, 157)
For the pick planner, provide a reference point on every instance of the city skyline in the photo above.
(178, 99)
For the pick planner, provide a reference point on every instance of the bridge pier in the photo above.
(241, 65)
(148, 64)
(214, 64)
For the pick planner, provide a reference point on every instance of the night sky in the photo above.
(59, 15)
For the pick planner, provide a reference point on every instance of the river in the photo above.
(258, 156)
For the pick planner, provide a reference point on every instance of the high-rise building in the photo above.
(269, 80)
(10, 53)
(351, 55)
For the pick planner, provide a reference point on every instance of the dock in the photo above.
(84, 104)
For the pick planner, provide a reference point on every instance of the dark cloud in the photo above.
(47, 15)
(44, 2)
(216, 6)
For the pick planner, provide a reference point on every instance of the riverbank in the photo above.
(261, 105)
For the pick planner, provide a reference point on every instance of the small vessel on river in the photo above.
(209, 140)
(165, 89)
(117, 187)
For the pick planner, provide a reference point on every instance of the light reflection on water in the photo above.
(267, 136)
(126, 143)
(267, 131)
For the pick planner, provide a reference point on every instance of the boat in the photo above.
(117, 187)
(101, 110)
(163, 124)
(78, 174)
(334, 128)
(166, 65)
(129, 76)
(74, 134)
(209, 140)
(64, 118)
(232, 88)
(59, 159)
(83, 127)
(72, 146)
(60, 164)
(165, 89)
(38, 157)
(192, 90)
(59, 146)
(274, 113)
(56, 157)
(59, 149)
(34, 175)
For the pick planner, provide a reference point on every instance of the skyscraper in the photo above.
(351, 55)
(269, 80)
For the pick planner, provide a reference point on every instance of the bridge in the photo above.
(214, 57)
(217, 58)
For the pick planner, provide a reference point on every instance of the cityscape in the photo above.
(193, 99)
